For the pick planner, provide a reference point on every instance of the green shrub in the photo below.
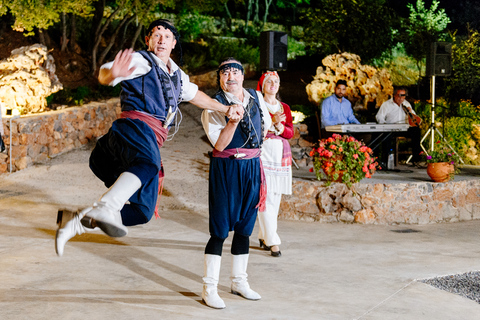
(81, 95)
(295, 48)
(465, 79)
(458, 134)
(102, 92)
(402, 68)
(196, 62)
(192, 24)
(455, 122)
(223, 47)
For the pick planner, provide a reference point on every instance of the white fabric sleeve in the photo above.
(267, 120)
(381, 114)
(213, 123)
(189, 89)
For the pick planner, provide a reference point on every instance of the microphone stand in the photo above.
(432, 128)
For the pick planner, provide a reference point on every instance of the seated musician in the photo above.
(398, 110)
(336, 109)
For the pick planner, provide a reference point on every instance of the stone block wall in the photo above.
(401, 203)
(300, 146)
(36, 138)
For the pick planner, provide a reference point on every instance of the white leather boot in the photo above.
(240, 284)
(69, 225)
(106, 212)
(210, 281)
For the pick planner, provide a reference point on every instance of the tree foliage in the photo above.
(465, 79)
(423, 27)
(362, 27)
(42, 14)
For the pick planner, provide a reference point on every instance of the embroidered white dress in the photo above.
(279, 181)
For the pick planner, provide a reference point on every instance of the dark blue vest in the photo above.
(249, 133)
(153, 92)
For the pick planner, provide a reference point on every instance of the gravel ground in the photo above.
(466, 284)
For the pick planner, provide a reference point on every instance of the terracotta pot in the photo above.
(440, 171)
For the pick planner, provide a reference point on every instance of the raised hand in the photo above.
(120, 67)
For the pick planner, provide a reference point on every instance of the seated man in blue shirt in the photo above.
(336, 109)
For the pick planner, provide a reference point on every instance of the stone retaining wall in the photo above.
(36, 138)
(408, 203)
(300, 147)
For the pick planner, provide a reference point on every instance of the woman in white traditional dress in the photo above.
(277, 161)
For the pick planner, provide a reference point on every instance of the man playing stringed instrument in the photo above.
(399, 110)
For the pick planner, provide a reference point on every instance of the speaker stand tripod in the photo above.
(432, 128)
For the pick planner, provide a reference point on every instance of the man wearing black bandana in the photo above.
(236, 188)
(127, 159)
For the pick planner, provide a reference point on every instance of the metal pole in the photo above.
(432, 140)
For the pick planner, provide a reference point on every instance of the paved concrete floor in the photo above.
(327, 271)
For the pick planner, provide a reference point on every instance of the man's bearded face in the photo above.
(340, 91)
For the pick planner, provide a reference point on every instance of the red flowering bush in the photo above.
(343, 158)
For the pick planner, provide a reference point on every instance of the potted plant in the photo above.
(343, 159)
(441, 163)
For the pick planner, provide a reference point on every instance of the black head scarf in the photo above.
(167, 25)
(234, 64)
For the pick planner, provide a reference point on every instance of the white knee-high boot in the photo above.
(106, 212)
(69, 225)
(210, 281)
(240, 284)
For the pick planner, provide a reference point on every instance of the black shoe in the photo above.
(263, 245)
(276, 253)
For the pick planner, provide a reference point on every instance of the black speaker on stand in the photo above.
(439, 59)
(439, 63)
(273, 50)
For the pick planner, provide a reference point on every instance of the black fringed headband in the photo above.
(231, 65)
(226, 66)
(167, 25)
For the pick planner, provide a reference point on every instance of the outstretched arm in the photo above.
(203, 101)
(120, 67)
